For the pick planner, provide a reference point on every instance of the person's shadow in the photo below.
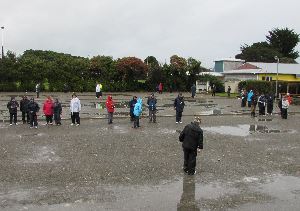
(187, 200)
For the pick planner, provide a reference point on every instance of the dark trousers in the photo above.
(193, 94)
(75, 117)
(136, 122)
(25, 114)
(243, 103)
(37, 94)
(261, 110)
(178, 116)
(49, 119)
(189, 164)
(249, 104)
(269, 108)
(12, 116)
(284, 113)
(253, 107)
(110, 117)
(33, 119)
(97, 94)
(152, 116)
(131, 116)
(57, 118)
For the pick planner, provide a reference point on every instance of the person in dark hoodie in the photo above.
(131, 106)
(12, 106)
(23, 108)
(262, 104)
(193, 90)
(192, 139)
(33, 108)
(152, 108)
(57, 110)
(269, 99)
(179, 106)
(110, 106)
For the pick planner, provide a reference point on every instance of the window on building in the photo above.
(263, 78)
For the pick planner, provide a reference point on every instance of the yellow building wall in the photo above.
(281, 77)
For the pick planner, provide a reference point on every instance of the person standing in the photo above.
(160, 88)
(243, 97)
(152, 108)
(75, 108)
(269, 99)
(249, 98)
(23, 108)
(289, 98)
(228, 91)
(262, 104)
(97, 90)
(12, 106)
(48, 110)
(38, 90)
(33, 108)
(192, 139)
(285, 106)
(110, 106)
(193, 90)
(179, 106)
(131, 106)
(57, 112)
(137, 113)
(213, 89)
(253, 104)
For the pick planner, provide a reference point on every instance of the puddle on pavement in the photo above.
(41, 155)
(244, 130)
(210, 112)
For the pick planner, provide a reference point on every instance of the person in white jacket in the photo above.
(75, 108)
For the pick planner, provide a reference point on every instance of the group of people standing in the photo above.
(264, 102)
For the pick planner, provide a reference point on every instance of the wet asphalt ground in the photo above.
(247, 163)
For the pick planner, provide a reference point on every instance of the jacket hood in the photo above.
(195, 127)
(139, 100)
(109, 97)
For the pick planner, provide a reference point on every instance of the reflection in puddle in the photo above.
(210, 112)
(244, 130)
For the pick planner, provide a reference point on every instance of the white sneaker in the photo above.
(180, 122)
(10, 124)
(176, 122)
(36, 127)
(72, 124)
(16, 123)
(77, 124)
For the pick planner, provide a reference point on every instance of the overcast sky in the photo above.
(203, 29)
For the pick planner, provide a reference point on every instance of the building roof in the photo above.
(247, 66)
(282, 68)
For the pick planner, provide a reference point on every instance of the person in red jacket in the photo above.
(160, 88)
(110, 106)
(48, 110)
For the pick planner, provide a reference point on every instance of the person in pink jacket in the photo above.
(48, 110)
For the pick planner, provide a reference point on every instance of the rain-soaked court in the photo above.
(247, 163)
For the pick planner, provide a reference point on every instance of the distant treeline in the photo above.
(58, 71)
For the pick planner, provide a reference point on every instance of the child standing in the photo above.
(110, 106)
(32, 109)
(48, 110)
(57, 112)
(137, 113)
(75, 108)
(12, 106)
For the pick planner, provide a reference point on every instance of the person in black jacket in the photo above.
(192, 139)
(57, 112)
(270, 99)
(12, 106)
(152, 108)
(193, 90)
(23, 108)
(179, 106)
(32, 109)
(131, 106)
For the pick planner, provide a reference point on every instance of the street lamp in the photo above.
(276, 57)
(2, 42)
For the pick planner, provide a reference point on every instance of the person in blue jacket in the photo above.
(131, 106)
(137, 111)
(249, 98)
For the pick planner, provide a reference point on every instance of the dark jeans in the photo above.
(12, 116)
(33, 119)
(136, 122)
(152, 116)
(269, 108)
(76, 117)
(25, 114)
(284, 113)
(189, 164)
(249, 104)
(262, 110)
(57, 118)
(37, 94)
(110, 117)
(178, 116)
(131, 116)
(49, 118)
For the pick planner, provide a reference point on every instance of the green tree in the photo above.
(284, 40)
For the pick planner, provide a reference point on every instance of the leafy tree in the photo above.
(131, 68)
(284, 40)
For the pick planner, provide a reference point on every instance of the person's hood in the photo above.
(139, 100)
(195, 127)
(109, 98)
(48, 101)
(32, 99)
